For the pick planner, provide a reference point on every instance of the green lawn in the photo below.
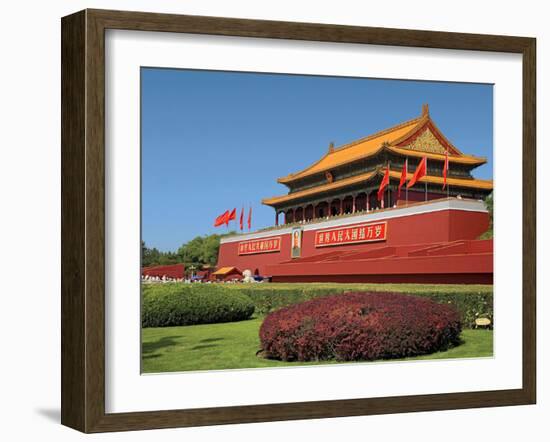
(367, 287)
(234, 345)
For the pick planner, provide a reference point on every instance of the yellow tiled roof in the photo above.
(386, 139)
(356, 150)
(319, 189)
(460, 182)
(224, 270)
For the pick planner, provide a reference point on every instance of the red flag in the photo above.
(241, 218)
(220, 220)
(232, 215)
(384, 183)
(419, 172)
(249, 217)
(445, 168)
(403, 179)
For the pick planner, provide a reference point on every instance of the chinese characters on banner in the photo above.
(264, 245)
(351, 235)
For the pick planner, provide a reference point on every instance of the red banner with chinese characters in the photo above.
(264, 245)
(352, 234)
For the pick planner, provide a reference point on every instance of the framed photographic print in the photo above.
(267, 221)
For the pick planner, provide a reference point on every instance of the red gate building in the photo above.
(334, 228)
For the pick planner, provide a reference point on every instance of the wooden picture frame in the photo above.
(83, 220)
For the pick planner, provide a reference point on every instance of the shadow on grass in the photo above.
(207, 343)
(150, 347)
(151, 356)
(202, 346)
(211, 340)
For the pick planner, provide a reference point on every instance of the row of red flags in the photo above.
(229, 215)
(421, 171)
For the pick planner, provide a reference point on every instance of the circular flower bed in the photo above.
(359, 326)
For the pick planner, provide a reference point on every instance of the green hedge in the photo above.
(472, 301)
(166, 305)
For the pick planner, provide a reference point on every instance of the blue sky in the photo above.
(214, 140)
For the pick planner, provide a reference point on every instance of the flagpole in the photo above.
(406, 176)
(426, 190)
(448, 167)
(388, 206)
(426, 182)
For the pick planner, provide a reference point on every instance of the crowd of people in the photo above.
(247, 277)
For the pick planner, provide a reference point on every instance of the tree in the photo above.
(211, 247)
(200, 251)
(191, 252)
(149, 256)
(154, 257)
(489, 205)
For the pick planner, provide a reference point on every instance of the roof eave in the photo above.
(277, 200)
(463, 182)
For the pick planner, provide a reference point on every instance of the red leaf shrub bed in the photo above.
(359, 326)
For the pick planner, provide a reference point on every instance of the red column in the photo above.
(276, 218)
(341, 206)
(368, 202)
(353, 204)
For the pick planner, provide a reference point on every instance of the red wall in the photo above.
(170, 271)
(461, 262)
(228, 256)
(418, 278)
(438, 226)
(467, 225)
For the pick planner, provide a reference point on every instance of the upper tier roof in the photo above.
(418, 138)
